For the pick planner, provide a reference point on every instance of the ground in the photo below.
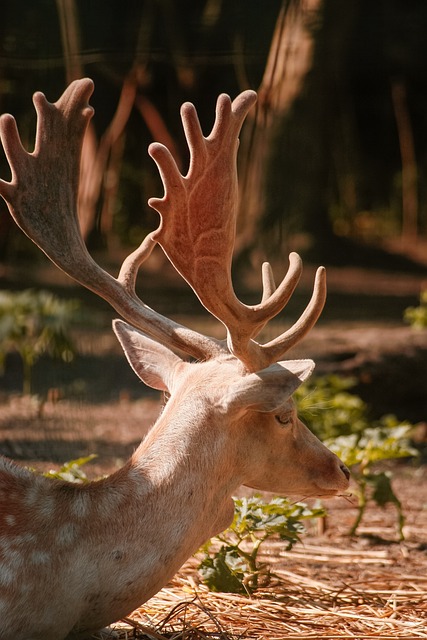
(331, 585)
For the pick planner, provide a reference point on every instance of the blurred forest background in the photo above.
(333, 162)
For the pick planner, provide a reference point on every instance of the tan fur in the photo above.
(80, 557)
(76, 558)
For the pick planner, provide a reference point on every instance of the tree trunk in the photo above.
(287, 189)
(409, 163)
(289, 60)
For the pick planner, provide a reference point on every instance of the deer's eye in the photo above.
(285, 419)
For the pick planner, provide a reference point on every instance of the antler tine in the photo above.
(268, 282)
(268, 286)
(256, 356)
(272, 351)
(198, 225)
(42, 198)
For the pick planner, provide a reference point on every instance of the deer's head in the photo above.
(253, 413)
(237, 385)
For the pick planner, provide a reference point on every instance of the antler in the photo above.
(42, 198)
(197, 232)
(197, 228)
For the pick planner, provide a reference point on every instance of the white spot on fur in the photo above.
(46, 506)
(6, 576)
(80, 505)
(109, 503)
(67, 534)
(25, 539)
(10, 520)
(12, 543)
(32, 495)
(15, 559)
(40, 557)
(10, 567)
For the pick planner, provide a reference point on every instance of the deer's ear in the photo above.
(268, 389)
(151, 361)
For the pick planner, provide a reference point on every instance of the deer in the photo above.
(77, 558)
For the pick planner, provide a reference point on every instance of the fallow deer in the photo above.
(75, 558)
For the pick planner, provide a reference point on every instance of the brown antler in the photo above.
(42, 197)
(197, 233)
(197, 229)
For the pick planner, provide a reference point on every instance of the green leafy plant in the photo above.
(341, 420)
(72, 471)
(330, 410)
(417, 316)
(235, 567)
(35, 323)
(387, 441)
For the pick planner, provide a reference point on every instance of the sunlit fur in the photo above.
(76, 558)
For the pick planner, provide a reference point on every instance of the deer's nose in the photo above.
(345, 471)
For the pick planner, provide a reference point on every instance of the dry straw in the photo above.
(386, 605)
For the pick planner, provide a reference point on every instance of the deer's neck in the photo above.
(173, 495)
(184, 467)
(107, 547)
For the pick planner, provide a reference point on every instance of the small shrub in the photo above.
(327, 407)
(417, 316)
(387, 441)
(235, 567)
(35, 323)
(341, 420)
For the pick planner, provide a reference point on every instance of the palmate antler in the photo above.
(197, 233)
(197, 229)
(42, 198)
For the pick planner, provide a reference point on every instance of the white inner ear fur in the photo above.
(152, 362)
(268, 389)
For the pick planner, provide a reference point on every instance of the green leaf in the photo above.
(329, 409)
(417, 316)
(72, 471)
(235, 567)
(383, 491)
(374, 444)
(224, 571)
